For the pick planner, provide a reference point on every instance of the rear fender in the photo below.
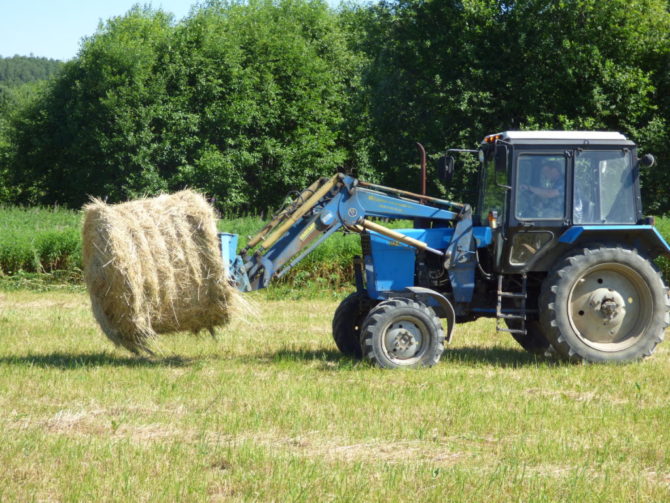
(644, 238)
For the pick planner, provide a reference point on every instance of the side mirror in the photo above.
(445, 168)
(647, 161)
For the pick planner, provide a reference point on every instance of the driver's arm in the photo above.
(541, 192)
(546, 193)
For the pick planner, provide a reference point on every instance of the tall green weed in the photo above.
(48, 240)
(39, 240)
(663, 263)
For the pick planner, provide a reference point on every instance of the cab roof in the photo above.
(558, 137)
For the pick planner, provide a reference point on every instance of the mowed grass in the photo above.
(272, 412)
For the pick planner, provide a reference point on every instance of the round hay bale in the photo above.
(153, 266)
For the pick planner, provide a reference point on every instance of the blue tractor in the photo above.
(556, 249)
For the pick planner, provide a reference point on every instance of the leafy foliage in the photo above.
(248, 100)
(242, 101)
(449, 72)
(19, 70)
(21, 78)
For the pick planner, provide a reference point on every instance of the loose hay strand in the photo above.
(153, 266)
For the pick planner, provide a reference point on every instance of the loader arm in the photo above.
(330, 204)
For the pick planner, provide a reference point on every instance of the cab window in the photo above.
(493, 195)
(540, 187)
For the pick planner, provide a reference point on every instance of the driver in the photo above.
(551, 190)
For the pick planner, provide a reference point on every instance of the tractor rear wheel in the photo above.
(604, 304)
(534, 340)
(347, 322)
(402, 333)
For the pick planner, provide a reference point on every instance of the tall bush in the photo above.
(448, 72)
(243, 101)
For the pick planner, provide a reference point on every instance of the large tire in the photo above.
(534, 340)
(402, 333)
(347, 322)
(604, 304)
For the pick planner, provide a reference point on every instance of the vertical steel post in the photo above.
(422, 151)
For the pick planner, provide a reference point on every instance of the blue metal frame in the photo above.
(348, 206)
(644, 237)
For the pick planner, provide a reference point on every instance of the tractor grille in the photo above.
(366, 247)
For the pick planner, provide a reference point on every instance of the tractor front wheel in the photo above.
(604, 304)
(347, 322)
(402, 333)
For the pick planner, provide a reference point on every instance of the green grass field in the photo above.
(39, 240)
(35, 241)
(271, 412)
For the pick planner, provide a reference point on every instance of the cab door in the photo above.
(492, 207)
(539, 207)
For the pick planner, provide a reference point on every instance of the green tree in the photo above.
(247, 100)
(243, 101)
(448, 72)
(266, 87)
(19, 70)
(91, 131)
(21, 80)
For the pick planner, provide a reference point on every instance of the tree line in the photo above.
(18, 70)
(249, 100)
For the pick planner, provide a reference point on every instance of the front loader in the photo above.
(556, 249)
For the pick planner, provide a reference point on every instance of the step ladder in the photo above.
(512, 313)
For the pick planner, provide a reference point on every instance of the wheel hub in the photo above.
(403, 340)
(607, 305)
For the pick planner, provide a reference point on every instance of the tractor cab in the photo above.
(536, 186)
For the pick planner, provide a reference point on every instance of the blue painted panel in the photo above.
(483, 236)
(391, 266)
(228, 249)
(646, 236)
(571, 235)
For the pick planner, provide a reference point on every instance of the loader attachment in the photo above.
(332, 204)
(233, 265)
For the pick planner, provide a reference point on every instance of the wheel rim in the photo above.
(405, 340)
(610, 307)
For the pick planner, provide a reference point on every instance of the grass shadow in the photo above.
(494, 357)
(323, 355)
(326, 359)
(73, 361)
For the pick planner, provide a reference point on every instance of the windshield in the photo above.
(604, 190)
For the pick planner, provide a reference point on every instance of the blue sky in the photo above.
(54, 28)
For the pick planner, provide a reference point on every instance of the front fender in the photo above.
(444, 307)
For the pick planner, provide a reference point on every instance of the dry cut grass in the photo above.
(153, 266)
(271, 412)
